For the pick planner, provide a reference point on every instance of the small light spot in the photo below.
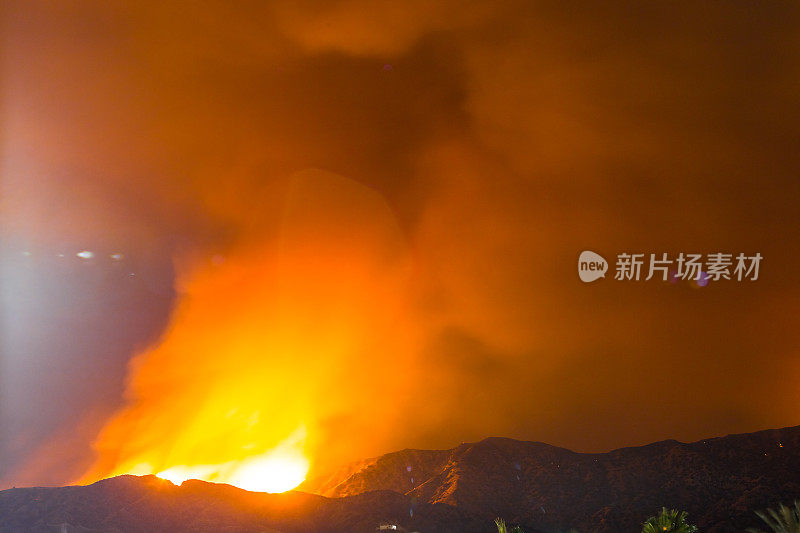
(116, 257)
(85, 254)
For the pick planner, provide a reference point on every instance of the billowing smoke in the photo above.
(313, 330)
(349, 227)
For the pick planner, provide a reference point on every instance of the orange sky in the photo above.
(376, 211)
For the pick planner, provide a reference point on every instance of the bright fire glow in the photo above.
(270, 360)
(278, 470)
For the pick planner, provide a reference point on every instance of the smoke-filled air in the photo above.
(253, 243)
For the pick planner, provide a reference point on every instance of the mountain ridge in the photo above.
(720, 481)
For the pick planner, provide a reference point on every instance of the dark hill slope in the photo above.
(719, 481)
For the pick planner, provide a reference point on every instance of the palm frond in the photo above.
(782, 520)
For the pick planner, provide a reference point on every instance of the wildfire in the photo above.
(271, 355)
(278, 470)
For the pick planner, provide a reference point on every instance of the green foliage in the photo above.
(784, 520)
(668, 521)
(503, 528)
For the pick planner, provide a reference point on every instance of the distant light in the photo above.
(60, 255)
(85, 254)
(116, 256)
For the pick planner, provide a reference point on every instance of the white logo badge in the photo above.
(591, 266)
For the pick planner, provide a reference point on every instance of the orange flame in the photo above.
(272, 350)
(278, 470)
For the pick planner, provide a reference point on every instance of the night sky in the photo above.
(369, 215)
